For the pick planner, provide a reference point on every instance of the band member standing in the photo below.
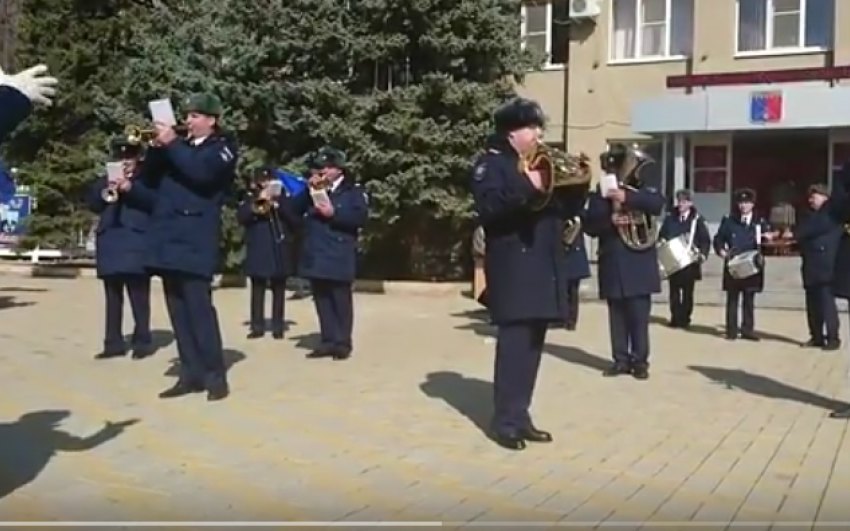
(329, 248)
(741, 232)
(628, 273)
(268, 252)
(19, 92)
(194, 177)
(578, 269)
(817, 236)
(684, 219)
(524, 266)
(120, 248)
(839, 208)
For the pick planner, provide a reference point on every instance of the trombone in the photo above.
(138, 135)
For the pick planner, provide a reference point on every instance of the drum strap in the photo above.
(758, 234)
(693, 233)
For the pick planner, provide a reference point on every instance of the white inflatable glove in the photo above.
(34, 83)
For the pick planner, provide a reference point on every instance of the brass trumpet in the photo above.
(109, 194)
(138, 135)
(266, 207)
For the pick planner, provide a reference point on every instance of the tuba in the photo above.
(640, 230)
(558, 170)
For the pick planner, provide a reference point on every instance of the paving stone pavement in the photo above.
(723, 432)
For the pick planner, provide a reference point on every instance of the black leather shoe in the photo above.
(673, 324)
(277, 335)
(841, 414)
(254, 335)
(218, 391)
(142, 352)
(341, 353)
(749, 336)
(731, 337)
(832, 345)
(110, 354)
(617, 369)
(640, 372)
(813, 343)
(532, 434)
(320, 353)
(509, 441)
(181, 389)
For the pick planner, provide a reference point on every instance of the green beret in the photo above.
(204, 103)
(327, 157)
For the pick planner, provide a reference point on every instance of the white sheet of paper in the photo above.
(162, 112)
(275, 188)
(607, 183)
(114, 171)
(320, 197)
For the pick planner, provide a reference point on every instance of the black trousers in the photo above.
(138, 288)
(571, 319)
(628, 328)
(519, 348)
(681, 300)
(334, 302)
(259, 286)
(196, 328)
(822, 313)
(746, 300)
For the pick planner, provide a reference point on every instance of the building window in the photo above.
(765, 25)
(710, 169)
(545, 29)
(647, 29)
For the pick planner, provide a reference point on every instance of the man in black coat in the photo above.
(121, 247)
(684, 219)
(268, 251)
(817, 236)
(524, 263)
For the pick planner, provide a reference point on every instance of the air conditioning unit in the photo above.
(584, 8)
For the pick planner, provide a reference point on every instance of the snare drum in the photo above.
(745, 265)
(675, 255)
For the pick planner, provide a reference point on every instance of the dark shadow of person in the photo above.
(471, 397)
(311, 341)
(765, 386)
(693, 328)
(268, 327)
(30, 442)
(9, 301)
(231, 358)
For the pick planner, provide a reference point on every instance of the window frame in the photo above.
(548, 65)
(695, 168)
(639, 24)
(770, 49)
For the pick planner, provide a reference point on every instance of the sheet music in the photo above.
(607, 183)
(114, 171)
(162, 112)
(320, 197)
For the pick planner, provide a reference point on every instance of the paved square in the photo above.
(722, 432)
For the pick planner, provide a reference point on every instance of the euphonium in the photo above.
(557, 170)
(640, 232)
(137, 135)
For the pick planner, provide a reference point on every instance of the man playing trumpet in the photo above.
(120, 252)
(623, 221)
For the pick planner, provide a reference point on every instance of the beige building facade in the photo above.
(660, 73)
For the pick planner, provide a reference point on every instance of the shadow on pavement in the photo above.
(470, 397)
(765, 386)
(31, 441)
(231, 358)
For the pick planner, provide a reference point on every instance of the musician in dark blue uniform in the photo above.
(19, 92)
(839, 207)
(622, 220)
(269, 228)
(121, 247)
(524, 263)
(684, 219)
(738, 233)
(329, 248)
(578, 269)
(817, 237)
(193, 177)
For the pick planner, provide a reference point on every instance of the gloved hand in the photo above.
(34, 83)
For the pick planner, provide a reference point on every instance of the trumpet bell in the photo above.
(262, 207)
(557, 169)
(109, 195)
